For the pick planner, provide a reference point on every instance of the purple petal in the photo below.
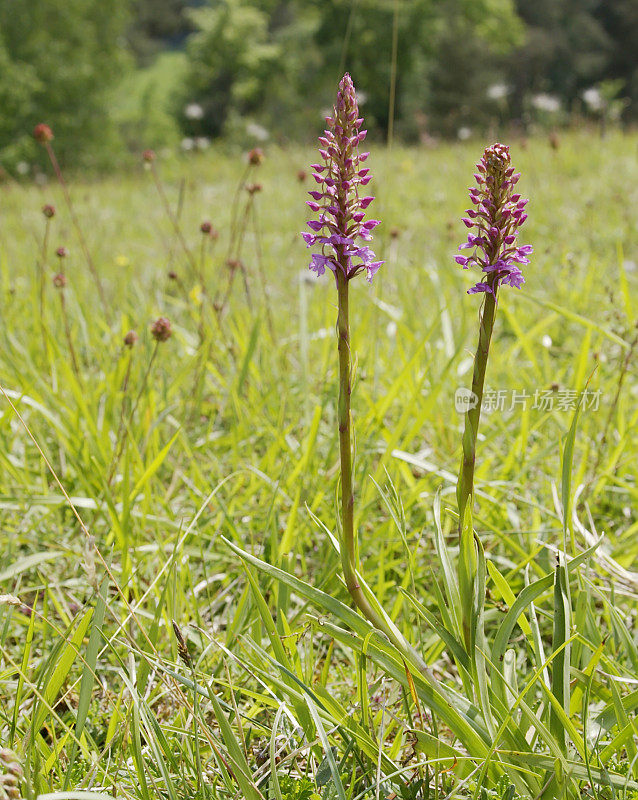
(309, 238)
(372, 269)
(319, 263)
(481, 286)
(337, 239)
(514, 278)
(364, 253)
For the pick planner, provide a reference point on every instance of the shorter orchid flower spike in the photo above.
(494, 221)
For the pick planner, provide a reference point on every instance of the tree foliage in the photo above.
(247, 58)
(566, 50)
(264, 58)
(109, 73)
(58, 61)
(157, 25)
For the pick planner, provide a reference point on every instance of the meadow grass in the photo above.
(194, 481)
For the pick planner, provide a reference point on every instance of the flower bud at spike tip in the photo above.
(148, 156)
(206, 228)
(182, 648)
(256, 156)
(500, 214)
(341, 221)
(48, 211)
(161, 329)
(62, 252)
(130, 338)
(42, 133)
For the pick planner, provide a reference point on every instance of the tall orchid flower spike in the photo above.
(342, 233)
(496, 214)
(341, 229)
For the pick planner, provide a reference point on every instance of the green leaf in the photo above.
(64, 662)
(88, 673)
(152, 468)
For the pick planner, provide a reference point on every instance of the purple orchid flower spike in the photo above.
(341, 227)
(343, 235)
(497, 214)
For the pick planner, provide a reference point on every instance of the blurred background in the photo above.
(112, 77)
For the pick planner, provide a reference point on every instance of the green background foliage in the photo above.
(61, 58)
(117, 76)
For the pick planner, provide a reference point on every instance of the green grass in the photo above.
(233, 446)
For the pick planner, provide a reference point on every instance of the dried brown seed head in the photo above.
(42, 133)
(161, 329)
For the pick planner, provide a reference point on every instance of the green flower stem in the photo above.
(76, 224)
(348, 545)
(465, 485)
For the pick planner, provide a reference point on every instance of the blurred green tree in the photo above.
(58, 61)
(158, 25)
(566, 50)
(263, 59)
(248, 57)
(619, 18)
